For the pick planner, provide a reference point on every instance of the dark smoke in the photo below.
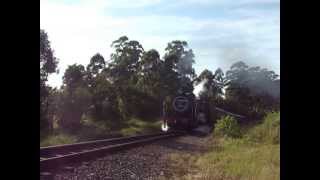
(261, 85)
(271, 88)
(256, 81)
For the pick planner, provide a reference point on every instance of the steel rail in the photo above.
(49, 151)
(57, 156)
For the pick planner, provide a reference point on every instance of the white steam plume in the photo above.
(199, 88)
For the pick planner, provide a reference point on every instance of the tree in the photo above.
(178, 61)
(258, 80)
(220, 78)
(48, 65)
(214, 84)
(169, 77)
(150, 80)
(74, 77)
(103, 99)
(75, 97)
(53, 106)
(96, 65)
(238, 73)
(123, 72)
(48, 62)
(252, 87)
(98, 86)
(124, 62)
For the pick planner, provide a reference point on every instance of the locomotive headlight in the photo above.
(164, 127)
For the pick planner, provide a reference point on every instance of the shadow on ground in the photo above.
(190, 144)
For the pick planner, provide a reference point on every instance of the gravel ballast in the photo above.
(144, 162)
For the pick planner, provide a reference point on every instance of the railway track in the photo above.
(53, 157)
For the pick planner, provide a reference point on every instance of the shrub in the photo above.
(268, 131)
(228, 126)
(58, 139)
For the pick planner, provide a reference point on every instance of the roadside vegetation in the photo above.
(253, 155)
(94, 130)
(122, 94)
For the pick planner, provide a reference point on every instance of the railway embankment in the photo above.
(253, 154)
(91, 130)
(150, 161)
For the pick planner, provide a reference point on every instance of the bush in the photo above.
(228, 126)
(237, 158)
(268, 131)
(58, 139)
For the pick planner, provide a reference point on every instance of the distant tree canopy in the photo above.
(134, 83)
(258, 80)
(252, 87)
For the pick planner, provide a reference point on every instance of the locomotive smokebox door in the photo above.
(180, 104)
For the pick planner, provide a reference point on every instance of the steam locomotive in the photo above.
(185, 112)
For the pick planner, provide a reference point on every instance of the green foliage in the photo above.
(74, 77)
(235, 158)
(124, 62)
(151, 70)
(88, 131)
(137, 126)
(227, 126)
(178, 62)
(48, 62)
(268, 131)
(97, 63)
(243, 159)
(213, 85)
(48, 65)
(134, 83)
(103, 102)
(123, 108)
(73, 106)
(75, 97)
(252, 91)
(56, 139)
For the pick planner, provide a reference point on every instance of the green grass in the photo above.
(254, 156)
(268, 131)
(58, 139)
(91, 130)
(138, 126)
(239, 160)
(228, 126)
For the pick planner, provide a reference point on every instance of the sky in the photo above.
(220, 32)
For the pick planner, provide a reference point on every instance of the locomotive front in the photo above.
(178, 113)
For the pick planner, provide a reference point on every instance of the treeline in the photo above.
(134, 82)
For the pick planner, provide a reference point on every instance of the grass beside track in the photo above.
(256, 155)
(95, 130)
